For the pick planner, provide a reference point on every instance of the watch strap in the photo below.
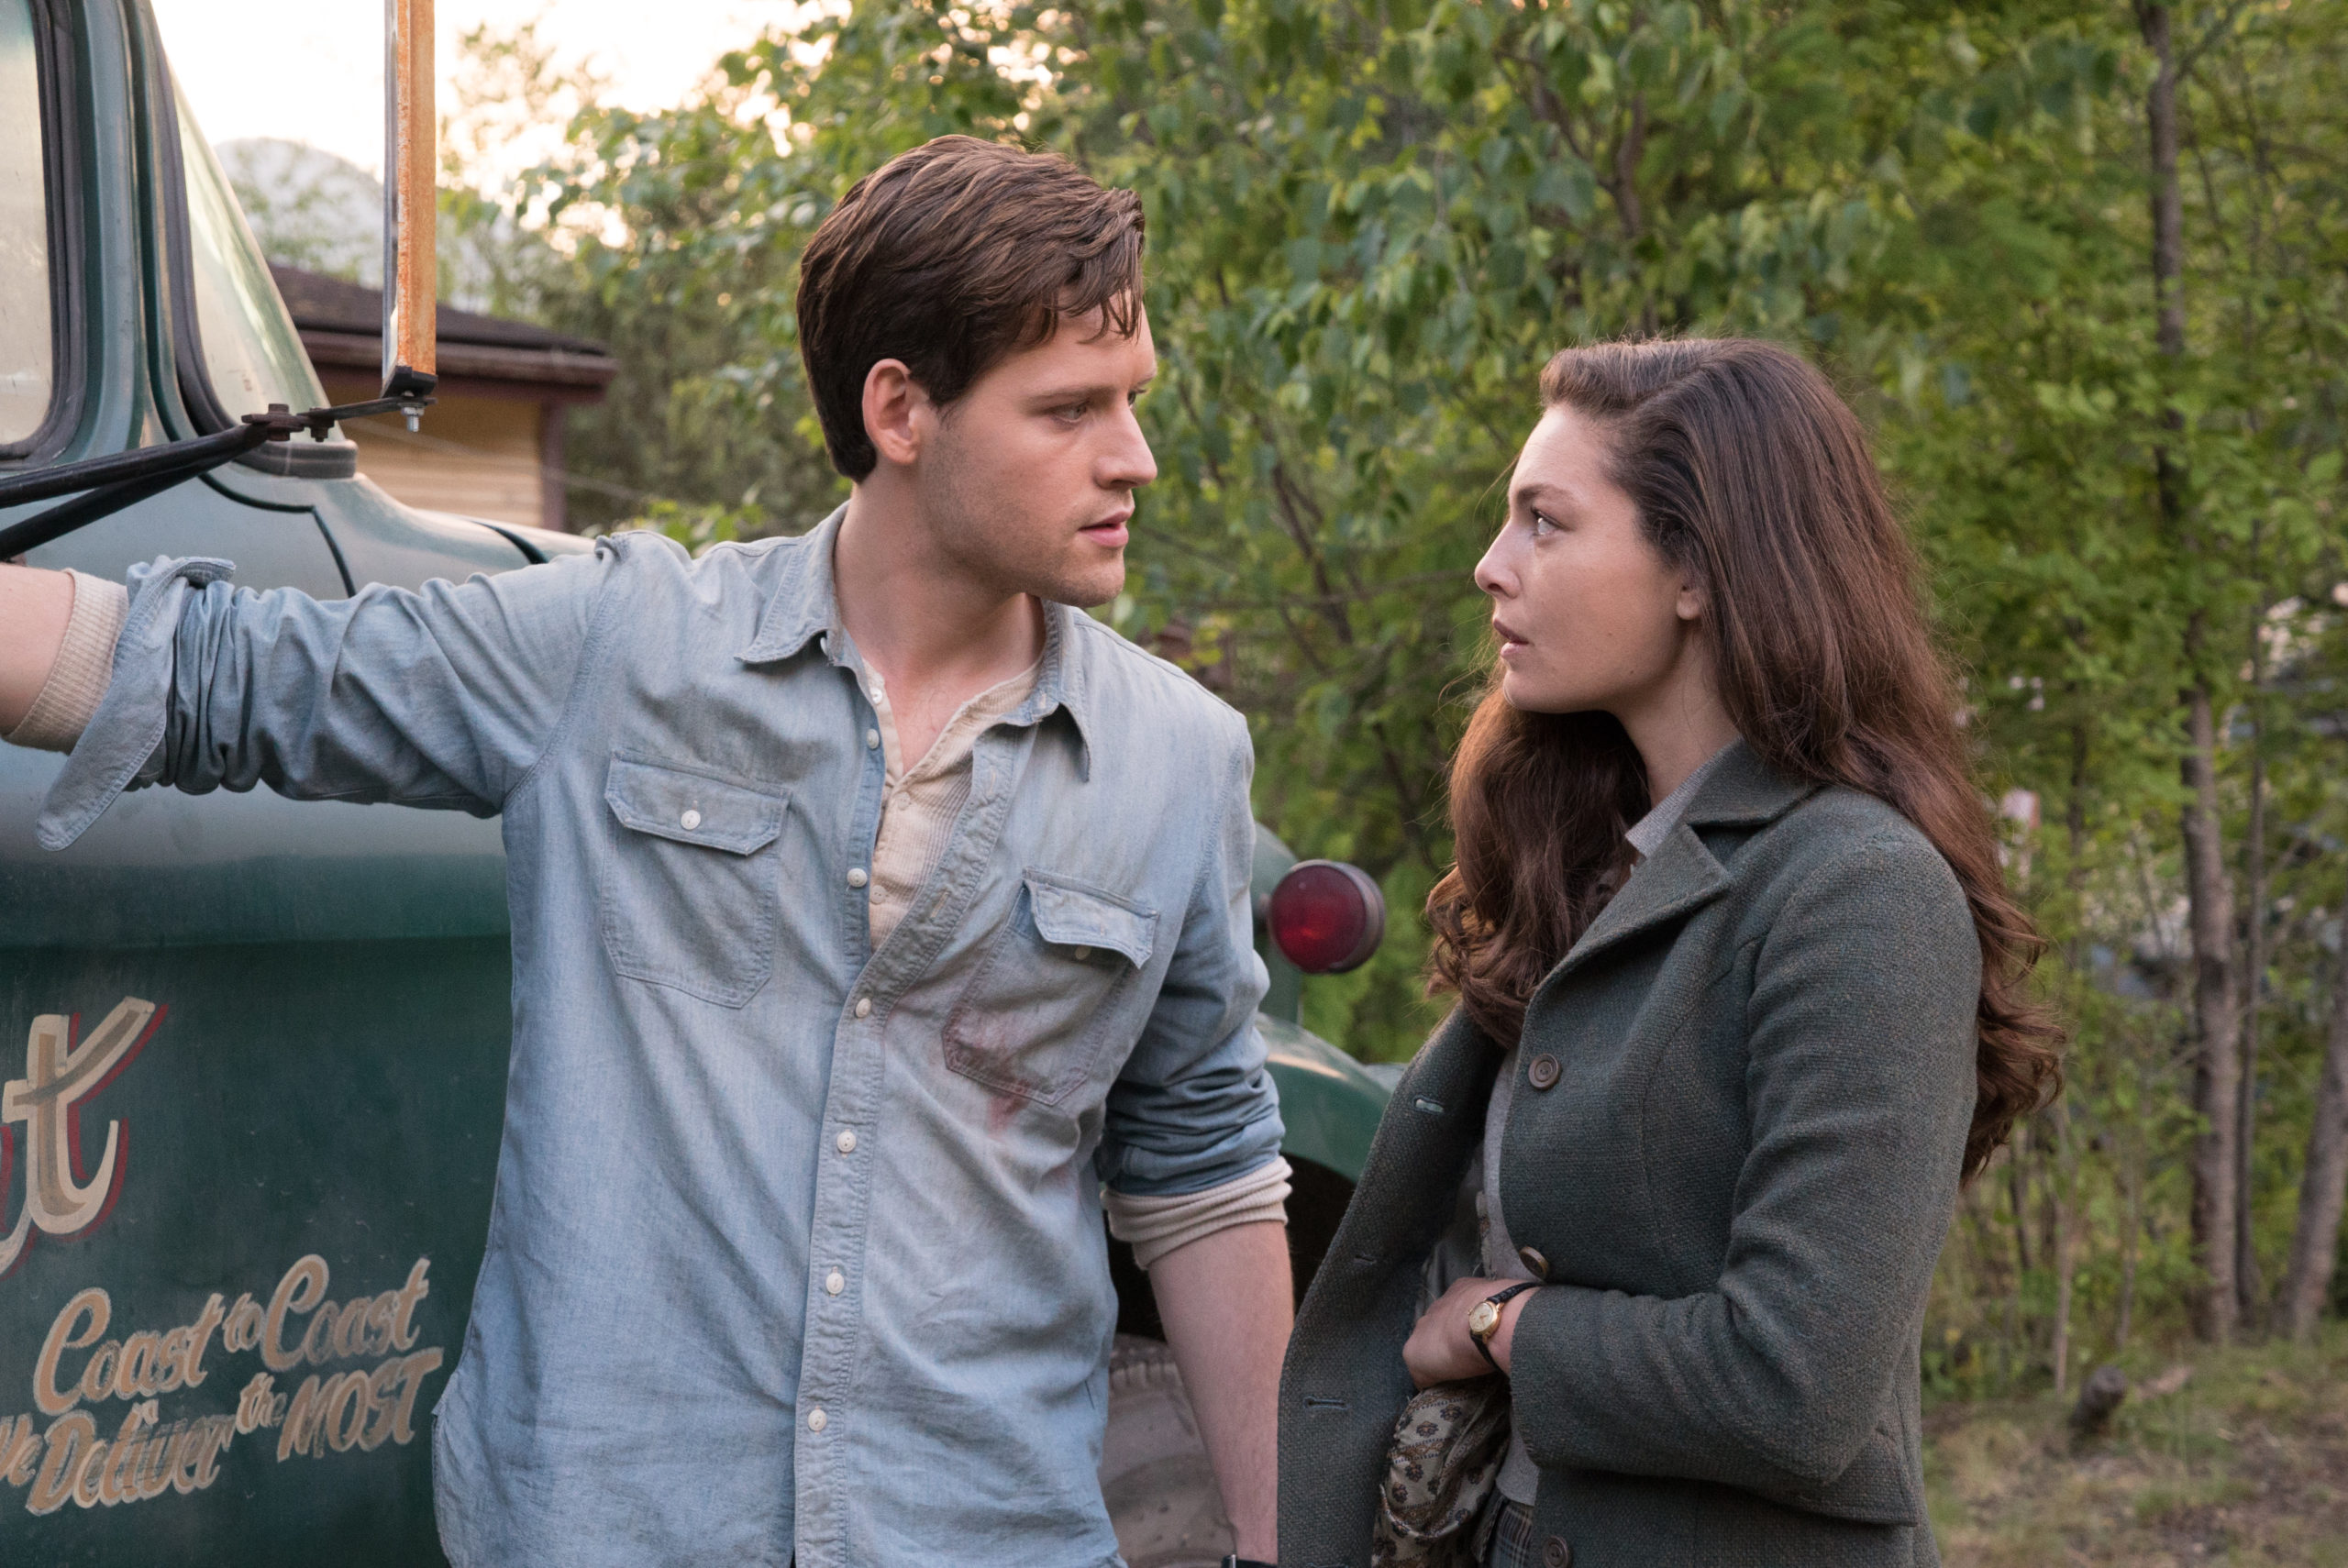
(1496, 1300)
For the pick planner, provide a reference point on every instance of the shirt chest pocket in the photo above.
(691, 887)
(1049, 990)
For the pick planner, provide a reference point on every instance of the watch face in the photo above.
(1484, 1318)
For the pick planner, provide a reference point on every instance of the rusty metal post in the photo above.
(411, 157)
(419, 201)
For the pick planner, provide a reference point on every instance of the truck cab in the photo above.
(246, 1152)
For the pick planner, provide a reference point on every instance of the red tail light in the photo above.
(1326, 917)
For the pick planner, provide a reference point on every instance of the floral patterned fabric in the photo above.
(1441, 1473)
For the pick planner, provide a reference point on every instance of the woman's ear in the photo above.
(1691, 602)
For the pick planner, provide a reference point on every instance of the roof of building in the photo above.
(341, 325)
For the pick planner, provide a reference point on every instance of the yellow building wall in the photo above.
(476, 456)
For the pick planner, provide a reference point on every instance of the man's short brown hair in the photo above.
(949, 258)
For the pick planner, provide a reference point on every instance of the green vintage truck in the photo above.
(246, 1162)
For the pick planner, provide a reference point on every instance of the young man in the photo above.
(871, 909)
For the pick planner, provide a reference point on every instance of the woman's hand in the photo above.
(1440, 1350)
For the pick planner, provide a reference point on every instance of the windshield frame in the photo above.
(201, 397)
(56, 59)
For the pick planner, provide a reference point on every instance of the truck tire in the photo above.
(1154, 1471)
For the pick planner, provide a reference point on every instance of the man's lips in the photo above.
(1110, 532)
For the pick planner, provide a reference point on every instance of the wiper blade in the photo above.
(123, 479)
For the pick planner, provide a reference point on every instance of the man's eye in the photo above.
(1070, 412)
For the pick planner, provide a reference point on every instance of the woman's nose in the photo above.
(1492, 574)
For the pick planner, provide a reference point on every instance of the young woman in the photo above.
(1741, 999)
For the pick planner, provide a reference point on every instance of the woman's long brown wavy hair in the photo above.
(1750, 474)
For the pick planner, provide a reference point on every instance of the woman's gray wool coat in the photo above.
(1733, 1155)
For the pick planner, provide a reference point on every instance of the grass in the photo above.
(2246, 1464)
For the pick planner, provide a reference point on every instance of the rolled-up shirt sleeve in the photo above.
(445, 696)
(1194, 1107)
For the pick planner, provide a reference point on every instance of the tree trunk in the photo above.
(2316, 1243)
(2062, 1195)
(2253, 968)
(2217, 1069)
(2218, 1072)
(2132, 1173)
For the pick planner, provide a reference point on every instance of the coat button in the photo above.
(1537, 1266)
(1543, 1072)
(1558, 1554)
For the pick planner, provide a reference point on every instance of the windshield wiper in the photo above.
(123, 479)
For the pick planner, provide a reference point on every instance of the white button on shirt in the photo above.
(856, 877)
(690, 821)
(845, 1142)
(834, 1282)
(817, 1420)
(864, 1007)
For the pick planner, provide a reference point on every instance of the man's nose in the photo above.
(1129, 463)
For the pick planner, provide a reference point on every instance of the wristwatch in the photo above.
(1484, 1317)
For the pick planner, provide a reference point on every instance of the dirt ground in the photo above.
(2245, 1462)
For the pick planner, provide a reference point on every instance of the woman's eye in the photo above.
(1543, 525)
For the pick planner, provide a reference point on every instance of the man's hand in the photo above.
(1440, 1349)
(1227, 1301)
(34, 608)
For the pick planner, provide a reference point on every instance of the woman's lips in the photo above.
(1510, 640)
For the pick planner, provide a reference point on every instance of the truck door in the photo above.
(252, 1052)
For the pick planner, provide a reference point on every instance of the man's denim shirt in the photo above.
(797, 1246)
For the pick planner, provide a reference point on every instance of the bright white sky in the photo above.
(314, 73)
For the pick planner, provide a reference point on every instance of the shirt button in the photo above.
(845, 1142)
(817, 1420)
(690, 821)
(834, 1282)
(1080, 954)
(856, 877)
(864, 1007)
(872, 740)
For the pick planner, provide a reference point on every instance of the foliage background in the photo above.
(1372, 222)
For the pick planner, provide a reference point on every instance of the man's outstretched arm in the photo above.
(34, 607)
(1227, 1302)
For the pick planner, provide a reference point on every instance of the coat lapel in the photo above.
(1682, 876)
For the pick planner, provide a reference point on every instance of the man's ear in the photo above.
(898, 414)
